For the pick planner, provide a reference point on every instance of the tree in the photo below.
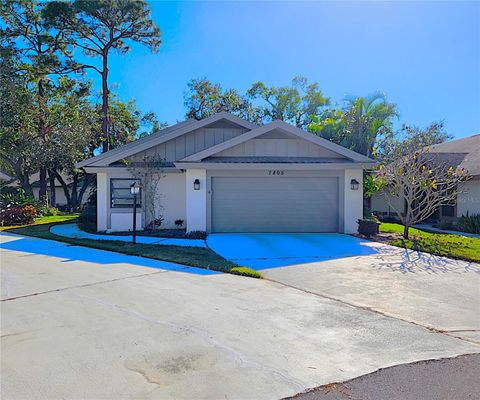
(42, 52)
(205, 98)
(367, 118)
(18, 138)
(99, 27)
(149, 169)
(296, 104)
(423, 180)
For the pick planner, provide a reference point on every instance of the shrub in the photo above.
(446, 226)
(196, 235)
(15, 215)
(469, 223)
(51, 211)
(88, 214)
(179, 223)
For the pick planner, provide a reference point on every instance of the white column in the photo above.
(102, 201)
(196, 200)
(353, 210)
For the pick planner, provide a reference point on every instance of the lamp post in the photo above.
(135, 190)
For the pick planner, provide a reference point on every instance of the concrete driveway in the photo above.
(435, 292)
(82, 323)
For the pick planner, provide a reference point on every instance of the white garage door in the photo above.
(274, 204)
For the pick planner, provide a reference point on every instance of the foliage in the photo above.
(179, 223)
(98, 27)
(196, 235)
(469, 223)
(442, 244)
(17, 215)
(295, 104)
(205, 98)
(424, 181)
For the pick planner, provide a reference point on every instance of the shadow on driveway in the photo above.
(273, 250)
(68, 253)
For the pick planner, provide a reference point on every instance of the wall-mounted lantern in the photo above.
(196, 184)
(354, 184)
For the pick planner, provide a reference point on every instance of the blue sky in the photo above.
(424, 55)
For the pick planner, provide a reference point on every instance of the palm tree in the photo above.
(365, 119)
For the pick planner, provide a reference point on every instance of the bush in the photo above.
(446, 226)
(88, 214)
(196, 235)
(469, 223)
(51, 211)
(15, 215)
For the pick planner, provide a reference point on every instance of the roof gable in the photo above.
(289, 130)
(160, 137)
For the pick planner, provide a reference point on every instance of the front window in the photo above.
(120, 195)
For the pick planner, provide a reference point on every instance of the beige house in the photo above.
(224, 174)
(461, 153)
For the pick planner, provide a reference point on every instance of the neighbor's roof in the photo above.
(463, 153)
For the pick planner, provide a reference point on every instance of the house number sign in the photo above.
(275, 172)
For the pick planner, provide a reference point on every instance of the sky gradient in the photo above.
(424, 55)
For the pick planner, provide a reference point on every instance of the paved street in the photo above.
(83, 323)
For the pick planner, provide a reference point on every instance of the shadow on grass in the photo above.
(70, 252)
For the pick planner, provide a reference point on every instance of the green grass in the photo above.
(443, 244)
(45, 220)
(191, 256)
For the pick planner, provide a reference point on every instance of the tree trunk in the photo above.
(405, 231)
(105, 97)
(53, 194)
(42, 180)
(42, 193)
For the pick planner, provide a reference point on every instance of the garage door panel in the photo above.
(274, 204)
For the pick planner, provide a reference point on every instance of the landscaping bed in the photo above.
(442, 244)
(191, 256)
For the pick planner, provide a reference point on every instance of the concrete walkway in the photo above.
(73, 231)
(91, 324)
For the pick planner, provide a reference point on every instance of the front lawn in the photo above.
(442, 244)
(46, 220)
(191, 256)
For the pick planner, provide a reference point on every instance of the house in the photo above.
(224, 174)
(460, 153)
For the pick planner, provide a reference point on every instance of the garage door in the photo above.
(274, 204)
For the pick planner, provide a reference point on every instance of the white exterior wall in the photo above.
(353, 205)
(172, 198)
(102, 201)
(196, 200)
(470, 200)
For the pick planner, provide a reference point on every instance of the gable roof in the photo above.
(162, 136)
(462, 153)
(285, 127)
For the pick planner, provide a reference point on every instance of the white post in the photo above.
(196, 200)
(353, 204)
(102, 201)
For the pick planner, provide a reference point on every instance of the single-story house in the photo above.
(224, 174)
(460, 153)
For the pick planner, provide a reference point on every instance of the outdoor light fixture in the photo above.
(134, 190)
(354, 184)
(196, 184)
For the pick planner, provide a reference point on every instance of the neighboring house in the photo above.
(224, 174)
(60, 198)
(461, 153)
